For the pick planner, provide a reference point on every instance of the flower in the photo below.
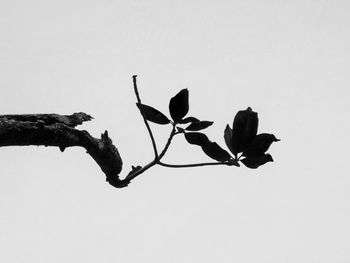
(243, 138)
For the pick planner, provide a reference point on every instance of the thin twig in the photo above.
(190, 165)
(144, 118)
(138, 172)
(167, 144)
(154, 162)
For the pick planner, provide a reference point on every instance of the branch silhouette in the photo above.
(60, 131)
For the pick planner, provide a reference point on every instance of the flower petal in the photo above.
(260, 144)
(255, 162)
(228, 138)
(244, 129)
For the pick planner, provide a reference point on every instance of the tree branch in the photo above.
(58, 130)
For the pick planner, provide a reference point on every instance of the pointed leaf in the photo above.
(178, 105)
(188, 119)
(199, 125)
(255, 162)
(197, 138)
(244, 129)
(260, 144)
(153, 115)
(228, 138)
(214, 151)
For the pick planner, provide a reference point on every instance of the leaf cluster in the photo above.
(242, 139)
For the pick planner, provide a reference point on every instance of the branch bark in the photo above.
(59, 130)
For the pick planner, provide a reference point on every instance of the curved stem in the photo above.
(189, 165)
(166, 147)
(144, 118)
(156, 160)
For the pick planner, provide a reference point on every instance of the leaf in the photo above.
(178, 105)
(197, 138)
(260, 144)
(214, 151)
(244, 129)
(188, 119)
(255, 162)
(228, 137)
(199, 125)
(153, 115)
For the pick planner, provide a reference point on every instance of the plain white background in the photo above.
(288, 60)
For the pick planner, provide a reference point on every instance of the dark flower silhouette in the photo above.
(243, 138)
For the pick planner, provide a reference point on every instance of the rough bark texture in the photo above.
(59, 130)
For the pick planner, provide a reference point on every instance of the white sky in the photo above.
(288, 60)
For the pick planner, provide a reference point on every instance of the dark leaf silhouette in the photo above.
(178, 105)
(153, 115)
(197, 138)
(256, 161)
(260, 144)
(228, 138)
(188, 120)
(244, 129)
(214, 151)
(199, 125)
